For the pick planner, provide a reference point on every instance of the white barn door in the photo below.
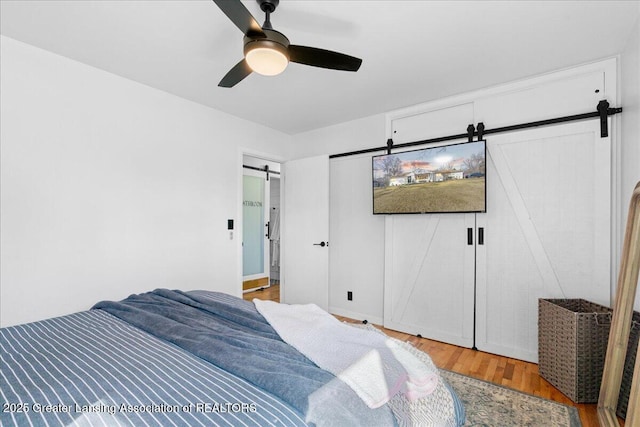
(547, 230)
(429, 276)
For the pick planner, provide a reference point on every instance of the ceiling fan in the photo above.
(268, 52)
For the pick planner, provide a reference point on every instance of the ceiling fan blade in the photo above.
(236, 74)
(323, 58)
(241, 17)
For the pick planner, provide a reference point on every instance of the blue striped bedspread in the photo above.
(230, 333)
(92, 369)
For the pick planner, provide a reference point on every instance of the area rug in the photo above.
(488, 404)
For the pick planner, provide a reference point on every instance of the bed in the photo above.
(174, 358)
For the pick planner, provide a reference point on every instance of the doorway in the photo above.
(260, 224)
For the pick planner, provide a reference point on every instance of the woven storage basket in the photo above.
(629, 364)
(572, 344)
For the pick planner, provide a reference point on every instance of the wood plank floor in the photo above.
(512, 373)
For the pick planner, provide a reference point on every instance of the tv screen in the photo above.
(444, 179)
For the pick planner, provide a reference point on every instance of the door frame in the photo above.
(236, 233)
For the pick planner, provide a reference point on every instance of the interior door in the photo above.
(547, 230)
(305, 232)
(255, 243)
(429, 276)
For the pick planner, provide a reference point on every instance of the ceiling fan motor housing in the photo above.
(268, 5)
(275, 40)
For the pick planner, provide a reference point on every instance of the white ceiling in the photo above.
(412, 51)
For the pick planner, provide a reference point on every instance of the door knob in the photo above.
(323, 244)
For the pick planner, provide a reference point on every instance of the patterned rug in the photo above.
(488, 404)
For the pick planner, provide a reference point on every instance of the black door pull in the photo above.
(323, 244)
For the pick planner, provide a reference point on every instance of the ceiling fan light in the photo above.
(266, 60)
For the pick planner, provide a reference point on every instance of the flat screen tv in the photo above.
(444, 179)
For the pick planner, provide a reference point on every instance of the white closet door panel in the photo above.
(547, 230)
(429, 276)
(563, 97)
(430, 124)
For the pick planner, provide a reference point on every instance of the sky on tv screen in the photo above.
(433, 159)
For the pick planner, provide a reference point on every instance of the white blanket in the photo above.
(372, 364)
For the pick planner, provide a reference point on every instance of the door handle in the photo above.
(323, 244)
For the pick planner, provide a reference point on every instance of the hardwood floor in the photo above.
(269, 293)
(512, 373)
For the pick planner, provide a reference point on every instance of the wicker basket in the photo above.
(629, 363)
(572, 344)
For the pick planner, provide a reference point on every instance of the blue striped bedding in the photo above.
(93, 369)
(235, 337)
(90, 368)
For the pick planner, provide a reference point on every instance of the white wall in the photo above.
(110, 187)
(349, 136)
(630, 120)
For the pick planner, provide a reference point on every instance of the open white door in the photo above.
(255, 241)
(305, 232)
